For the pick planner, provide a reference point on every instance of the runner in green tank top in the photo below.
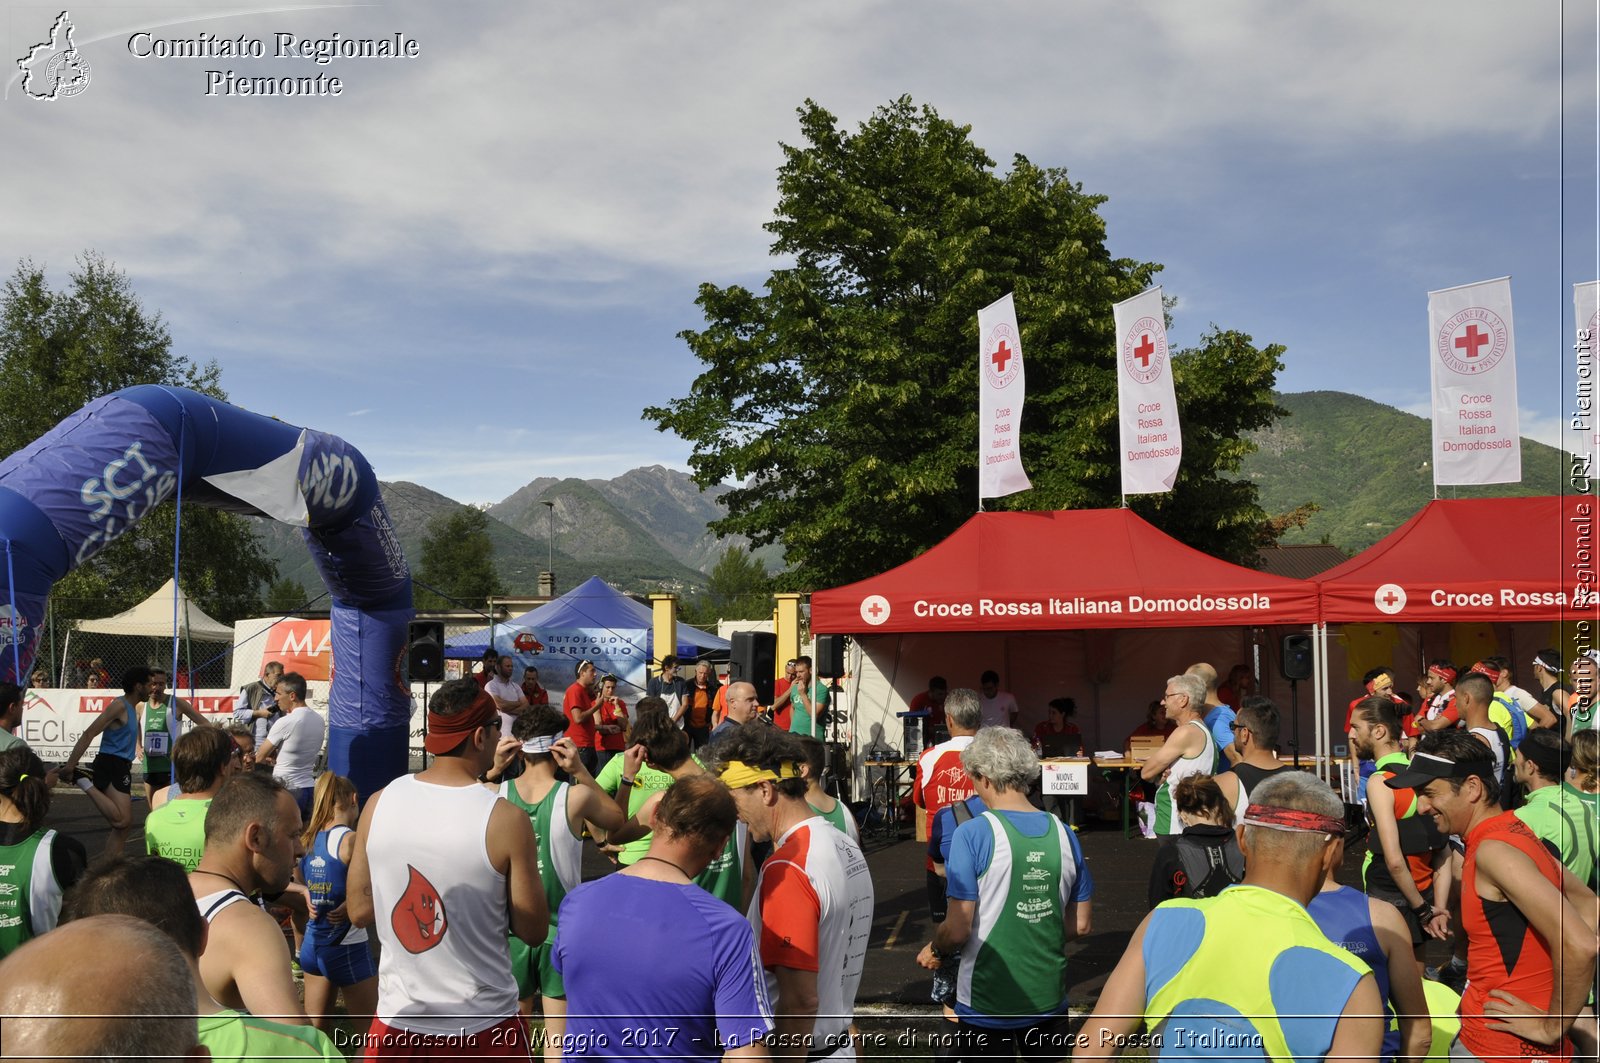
(37, 866)
(558, 811)
(823, 803)
(156, 745)
(656, 742)
(1187, 750)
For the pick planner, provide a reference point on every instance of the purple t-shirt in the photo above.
(654, 970)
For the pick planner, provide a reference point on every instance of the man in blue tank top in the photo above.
(1374, 931)
(117, 728)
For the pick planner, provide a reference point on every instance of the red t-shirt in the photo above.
(940, 779)
(610, 713)
(935, 710)
(536, 694)
(582, 732)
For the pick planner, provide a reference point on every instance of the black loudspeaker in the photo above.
(830, 657)
(424, 651)
(754, 659)
(1296, 660)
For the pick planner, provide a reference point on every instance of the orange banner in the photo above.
(302, 646)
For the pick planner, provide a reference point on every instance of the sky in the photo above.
(472, 263)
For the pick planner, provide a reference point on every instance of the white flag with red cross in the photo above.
(1476, 438)
(1147, 404)
(1000, 390)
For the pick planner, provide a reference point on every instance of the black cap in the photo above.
(1426, 767)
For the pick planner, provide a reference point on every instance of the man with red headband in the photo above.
(442, 867)
(1185, 978)
(1440, 683)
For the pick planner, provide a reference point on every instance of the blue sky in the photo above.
(472, 264)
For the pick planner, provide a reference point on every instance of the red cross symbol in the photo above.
(1471, 341)
(1144, 351)
(1000, 357)
(1390, 598)
(876, 610)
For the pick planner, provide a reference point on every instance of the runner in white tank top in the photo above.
(443, 869)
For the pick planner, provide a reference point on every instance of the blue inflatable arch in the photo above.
(76, 489)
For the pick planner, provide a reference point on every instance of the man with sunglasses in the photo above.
(1255, 736)
(442, 867)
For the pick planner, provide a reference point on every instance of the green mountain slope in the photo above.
(1367, 466)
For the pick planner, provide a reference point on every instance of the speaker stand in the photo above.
(1294, 720)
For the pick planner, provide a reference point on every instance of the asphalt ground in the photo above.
(892, 982)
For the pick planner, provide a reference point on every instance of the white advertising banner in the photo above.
(1476, 438)
(1147, 405)
(1001, 385)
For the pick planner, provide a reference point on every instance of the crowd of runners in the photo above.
(446, 915)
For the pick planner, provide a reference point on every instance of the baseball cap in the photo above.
(1426, 767)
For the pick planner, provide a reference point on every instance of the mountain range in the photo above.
(1364, 464)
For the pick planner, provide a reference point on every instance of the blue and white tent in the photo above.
(593, 622)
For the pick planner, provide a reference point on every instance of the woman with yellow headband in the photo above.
(29, 902)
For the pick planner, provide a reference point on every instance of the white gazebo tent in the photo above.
(153, 618)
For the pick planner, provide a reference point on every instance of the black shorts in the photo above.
(157, 780)
(112, 771)
(1403, 906)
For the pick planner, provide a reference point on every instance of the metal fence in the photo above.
(77, 659)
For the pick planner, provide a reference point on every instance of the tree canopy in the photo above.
(457, 567)
(738, 588)
(62, 349)
(842, 400)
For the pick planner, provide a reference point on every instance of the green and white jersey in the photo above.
(1024, 869)
(30, 896)
(560, 850)
(1202, 763)
(723, 878)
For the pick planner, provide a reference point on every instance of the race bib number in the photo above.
(155, 743)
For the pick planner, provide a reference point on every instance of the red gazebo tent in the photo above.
(1061, 570)
(1094, 603)
(1473, 559)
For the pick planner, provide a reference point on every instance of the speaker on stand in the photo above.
(424, 664)
(828, 660)
(1295, 664)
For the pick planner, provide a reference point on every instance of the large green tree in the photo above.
(843, 399)
(61, 349)
(457, 566)
(738, 588)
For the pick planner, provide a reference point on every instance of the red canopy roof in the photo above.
(1483, 559)
(1098, 568)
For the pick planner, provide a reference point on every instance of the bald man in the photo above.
(101, 988)
(742, 708)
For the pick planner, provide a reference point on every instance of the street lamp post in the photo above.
(550, 546)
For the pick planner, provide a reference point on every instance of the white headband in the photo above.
(540, 743)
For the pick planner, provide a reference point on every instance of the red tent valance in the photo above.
(1065, 569)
